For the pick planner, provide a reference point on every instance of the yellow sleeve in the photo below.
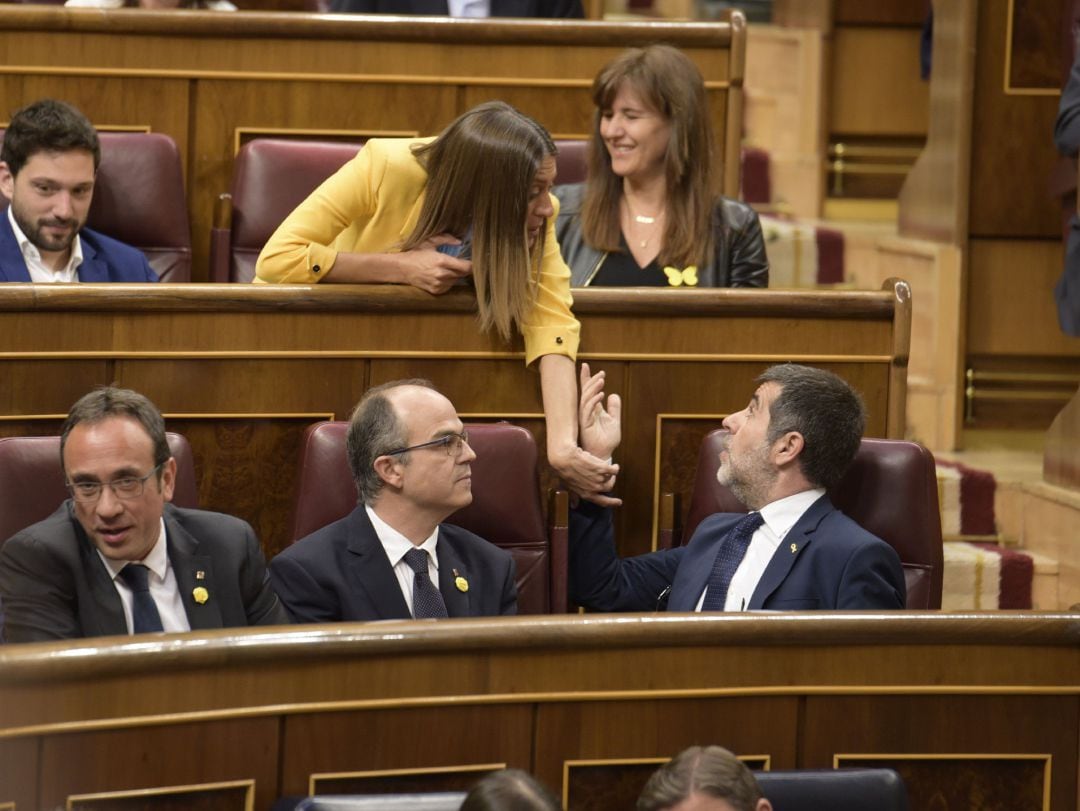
(551, 328)
(301, 250)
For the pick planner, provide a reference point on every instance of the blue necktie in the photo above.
(144, 614)
(427, 602)
(728, 557)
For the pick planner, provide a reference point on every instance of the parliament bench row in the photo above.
(890, 490)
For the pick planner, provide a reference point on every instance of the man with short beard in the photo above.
(794, 551)
(48, 164)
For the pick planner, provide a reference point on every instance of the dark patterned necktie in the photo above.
(728, 557)
(144, 614)
(427, 602)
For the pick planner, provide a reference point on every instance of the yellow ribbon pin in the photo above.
(679, 278)
(794, 549)
(461, 583)
(201, 595)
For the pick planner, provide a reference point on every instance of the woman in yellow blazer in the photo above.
(475, 201)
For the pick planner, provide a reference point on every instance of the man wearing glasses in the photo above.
(391, 557)
(117, 558)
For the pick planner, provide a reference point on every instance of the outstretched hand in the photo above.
(598, 423)
(586, 475)
(425, 267)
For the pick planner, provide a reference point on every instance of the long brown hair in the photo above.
(671, 84)
(480, 170)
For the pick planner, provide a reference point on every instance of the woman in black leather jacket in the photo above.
(648, 214)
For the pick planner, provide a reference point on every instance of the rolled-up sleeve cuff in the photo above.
(551, 340)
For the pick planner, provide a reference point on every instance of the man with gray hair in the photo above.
(794, 551)
(410, 457)
(117, 558)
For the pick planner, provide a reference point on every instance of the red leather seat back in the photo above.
(890, 490)
(271, 177)
(506, 507)
(572, 162)
(32, 480)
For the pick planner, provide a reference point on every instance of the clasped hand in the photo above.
(434, 272)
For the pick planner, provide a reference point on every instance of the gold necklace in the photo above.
(641, 219)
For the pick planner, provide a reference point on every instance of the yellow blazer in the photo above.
(371, 205)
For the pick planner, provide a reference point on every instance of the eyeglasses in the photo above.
(454, 443)
(126, 488)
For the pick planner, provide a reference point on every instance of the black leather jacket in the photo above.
(740, 259)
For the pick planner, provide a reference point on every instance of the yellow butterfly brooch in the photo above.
(680, 278)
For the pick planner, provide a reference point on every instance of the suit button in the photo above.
(558, 340)
(315, 269)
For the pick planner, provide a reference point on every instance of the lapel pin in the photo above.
(200, 575)
(461, 583)
(794, 548)
(200, 594)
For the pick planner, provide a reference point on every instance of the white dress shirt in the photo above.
(39, 271)
(469, 8)
(396, 545)
(162, 582)
(779, 517)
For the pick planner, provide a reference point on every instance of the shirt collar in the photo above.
(396, 544)
(30, 251)
(781, 515)
(157, 561)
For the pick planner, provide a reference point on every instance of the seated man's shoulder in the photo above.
(468, 543)
(207, 524)
(844, 533)
(57, 530)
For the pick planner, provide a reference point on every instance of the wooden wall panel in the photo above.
(613, 731)
(969, 727)
(454, 739)
(1008, 173)
(18, 758)
(875, 87)
(87, 761)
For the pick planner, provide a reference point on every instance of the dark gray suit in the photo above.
(341, 573)
(499, 8)
(54, 585)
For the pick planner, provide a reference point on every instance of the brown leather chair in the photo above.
(271, 177)
(139, 199)
(890, 490)
(506, 508)
(32, 480)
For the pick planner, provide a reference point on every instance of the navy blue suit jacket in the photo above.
(104, 259)
(341, 573)
(836, 565)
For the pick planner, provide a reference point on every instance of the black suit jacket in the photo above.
(499, 8)
(341, 573)
(54, 585)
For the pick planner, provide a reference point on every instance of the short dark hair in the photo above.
(709, 770)
(47, 126)
(510, 790)
(374, 431)
(112, 401)
(828, 413)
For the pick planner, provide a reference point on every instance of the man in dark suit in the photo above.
(493, 8)
(410, 458)
(118, 558)
(48, 163)
(794, 551)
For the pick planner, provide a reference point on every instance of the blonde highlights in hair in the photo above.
(480, 170)
(665, 79)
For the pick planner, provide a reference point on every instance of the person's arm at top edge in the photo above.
(301, 250)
